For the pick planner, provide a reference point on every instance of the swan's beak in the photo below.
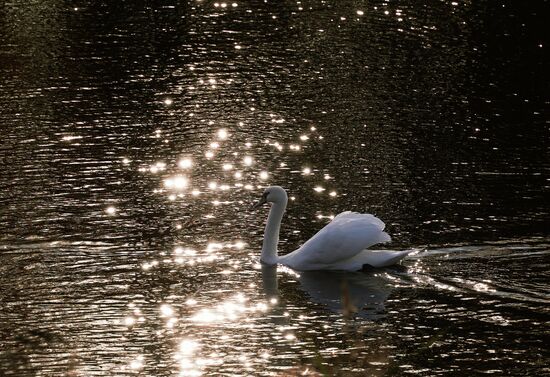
(260, 203)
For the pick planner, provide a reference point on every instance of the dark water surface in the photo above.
(136, 134)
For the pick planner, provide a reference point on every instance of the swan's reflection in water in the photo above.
(360, 294)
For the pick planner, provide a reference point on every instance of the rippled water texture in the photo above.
(136, 135)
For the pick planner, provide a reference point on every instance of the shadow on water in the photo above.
(361, 293)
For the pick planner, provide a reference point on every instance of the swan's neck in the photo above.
(271, 234)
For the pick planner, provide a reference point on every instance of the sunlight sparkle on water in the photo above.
(239, 244)
(213, 246)
(222, 134)
(159, 166)
(110, 210)
(186, 251)
(137, 363)
(185, 163)
(189, 365)
(177, 183)
(188, 347)
(482, 287)
(231, 309)
(70, 138)
(166, 310)
(247, 160)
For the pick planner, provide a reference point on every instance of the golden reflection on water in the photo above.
(194, 310)
(137, 363)
(483, 287)
(71, 138)
(231, 165)
(236, 171)
(222, 134)
(214, 251)
(166, 310)
(185, 163)
(178, 182)
(189, 363)
(230, 309)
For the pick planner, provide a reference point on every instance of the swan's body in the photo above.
(340, 245)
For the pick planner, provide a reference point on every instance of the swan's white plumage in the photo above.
(344, 237)
(340, 245)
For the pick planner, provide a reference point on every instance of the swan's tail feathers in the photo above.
(383, 237)
(382, 258)
(412, 251)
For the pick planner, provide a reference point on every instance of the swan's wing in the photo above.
(349, 215)
(373, 258)
(345, 236)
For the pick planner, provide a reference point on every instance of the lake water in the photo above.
(136, 136)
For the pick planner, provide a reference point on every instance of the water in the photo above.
(136, 135)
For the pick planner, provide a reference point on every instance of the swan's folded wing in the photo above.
(365, 218)
(345, 236)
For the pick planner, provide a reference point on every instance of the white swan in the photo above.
(340, 245)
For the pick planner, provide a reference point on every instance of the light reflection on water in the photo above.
(96, 305)
(135, 149)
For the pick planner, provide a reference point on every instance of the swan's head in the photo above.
(272, 194)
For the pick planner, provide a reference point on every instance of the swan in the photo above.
(340, 245)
